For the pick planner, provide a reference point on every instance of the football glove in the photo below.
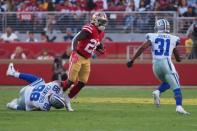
(100, 49)
(129, 64)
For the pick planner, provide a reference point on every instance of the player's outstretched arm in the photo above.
(176, 55)
(141, 49)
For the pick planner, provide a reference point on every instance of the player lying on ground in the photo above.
(163, 45)
(84, 45)
(38, 95)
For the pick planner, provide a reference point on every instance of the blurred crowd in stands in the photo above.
(183, 7)
(51, 24)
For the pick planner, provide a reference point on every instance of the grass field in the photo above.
(104, 109)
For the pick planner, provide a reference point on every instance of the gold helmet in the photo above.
(99, 19)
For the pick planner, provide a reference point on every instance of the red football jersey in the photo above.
(86, 47)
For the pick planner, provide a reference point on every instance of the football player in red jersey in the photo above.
(84, 44)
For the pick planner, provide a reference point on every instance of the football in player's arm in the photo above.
(84, 45)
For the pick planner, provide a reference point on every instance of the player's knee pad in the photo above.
(80, 84)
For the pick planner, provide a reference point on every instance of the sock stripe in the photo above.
(176, 79)
(169, 64)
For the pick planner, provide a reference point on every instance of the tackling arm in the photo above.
(141, 49)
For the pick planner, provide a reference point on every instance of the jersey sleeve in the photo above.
(88, 29)
(147, 37)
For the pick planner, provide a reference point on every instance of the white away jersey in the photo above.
(162, 44)
(37, 93)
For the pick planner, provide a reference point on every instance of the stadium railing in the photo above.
(119, 21)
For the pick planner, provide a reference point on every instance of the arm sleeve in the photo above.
(147, 37)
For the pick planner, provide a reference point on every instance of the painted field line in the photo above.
(129, 100)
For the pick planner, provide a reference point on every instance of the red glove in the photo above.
(74, 57)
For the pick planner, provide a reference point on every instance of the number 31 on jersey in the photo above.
(163, 46)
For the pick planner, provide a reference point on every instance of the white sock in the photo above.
(16, 74)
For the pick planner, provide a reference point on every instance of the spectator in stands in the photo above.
(129, 18)
(69, 35)
(44, 37)
(51, 6)
(58, 70)
(3, 6)
(172, 6)
(18, 53)
(182, 9)
(45, 55)
(51, 33)
(188, 48)
(59, 65)
(116, 5)
(99, 5)
(9, 36)
(31, 37)
(144, 5)
(162, 5)
(44, 5)
(66, 54)
(25, 20)
(91, 5)
(190, 12)
(192, 33)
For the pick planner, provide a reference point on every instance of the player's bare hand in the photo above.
(129, 64)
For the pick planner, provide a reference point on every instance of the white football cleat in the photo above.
(156, 97)
(68, 104)
(180, 110)
(13, 104)
(11, 71)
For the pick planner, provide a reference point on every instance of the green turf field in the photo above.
(104, 109)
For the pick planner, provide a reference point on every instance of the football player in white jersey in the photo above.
(162, 46)
(38, 95)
